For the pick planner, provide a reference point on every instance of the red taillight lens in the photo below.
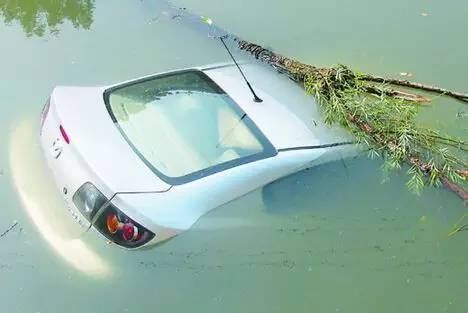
(64, 134)
(120, 229)
(129, 232)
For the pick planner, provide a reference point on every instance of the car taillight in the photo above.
(121, 229)
(88, 199)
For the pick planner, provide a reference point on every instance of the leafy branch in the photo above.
(382, 119)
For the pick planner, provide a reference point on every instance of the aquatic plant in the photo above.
(382, 119)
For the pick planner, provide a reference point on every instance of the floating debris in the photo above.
(461, 114)
(406, 74)
(423, 219)
(386, 123)
(459, 229)
(456, 229)
(206, 20)
(11, 228)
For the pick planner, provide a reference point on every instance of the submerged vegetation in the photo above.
(382, 119)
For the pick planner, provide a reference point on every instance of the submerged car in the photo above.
(142, 161)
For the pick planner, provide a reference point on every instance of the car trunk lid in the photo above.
(95, 138)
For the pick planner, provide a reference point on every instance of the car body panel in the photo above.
(82, 113)
(61, 159)
(98, 153)
(184, 204)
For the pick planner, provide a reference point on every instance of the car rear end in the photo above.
(90, 165)
(68, 169)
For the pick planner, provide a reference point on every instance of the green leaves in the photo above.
(382, 119)
(385, 125)
(416, 180)
(206, 20)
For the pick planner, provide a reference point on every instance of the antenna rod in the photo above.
(256, 98)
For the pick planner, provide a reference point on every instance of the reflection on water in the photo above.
(43, 204)
(39, 17)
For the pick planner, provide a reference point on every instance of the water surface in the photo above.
(329, 239)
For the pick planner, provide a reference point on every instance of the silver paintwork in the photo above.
(99, 154)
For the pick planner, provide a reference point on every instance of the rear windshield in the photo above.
(184, 126)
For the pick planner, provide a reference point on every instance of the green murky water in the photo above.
(329, 239)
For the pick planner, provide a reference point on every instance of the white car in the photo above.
(142, 161)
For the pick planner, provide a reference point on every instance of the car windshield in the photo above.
(184, 126)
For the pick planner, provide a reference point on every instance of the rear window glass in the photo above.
(184, 126)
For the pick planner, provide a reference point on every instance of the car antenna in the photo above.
(256, 98)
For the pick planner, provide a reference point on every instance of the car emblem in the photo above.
(57, 148)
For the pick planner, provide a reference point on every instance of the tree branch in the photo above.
(406, 83)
